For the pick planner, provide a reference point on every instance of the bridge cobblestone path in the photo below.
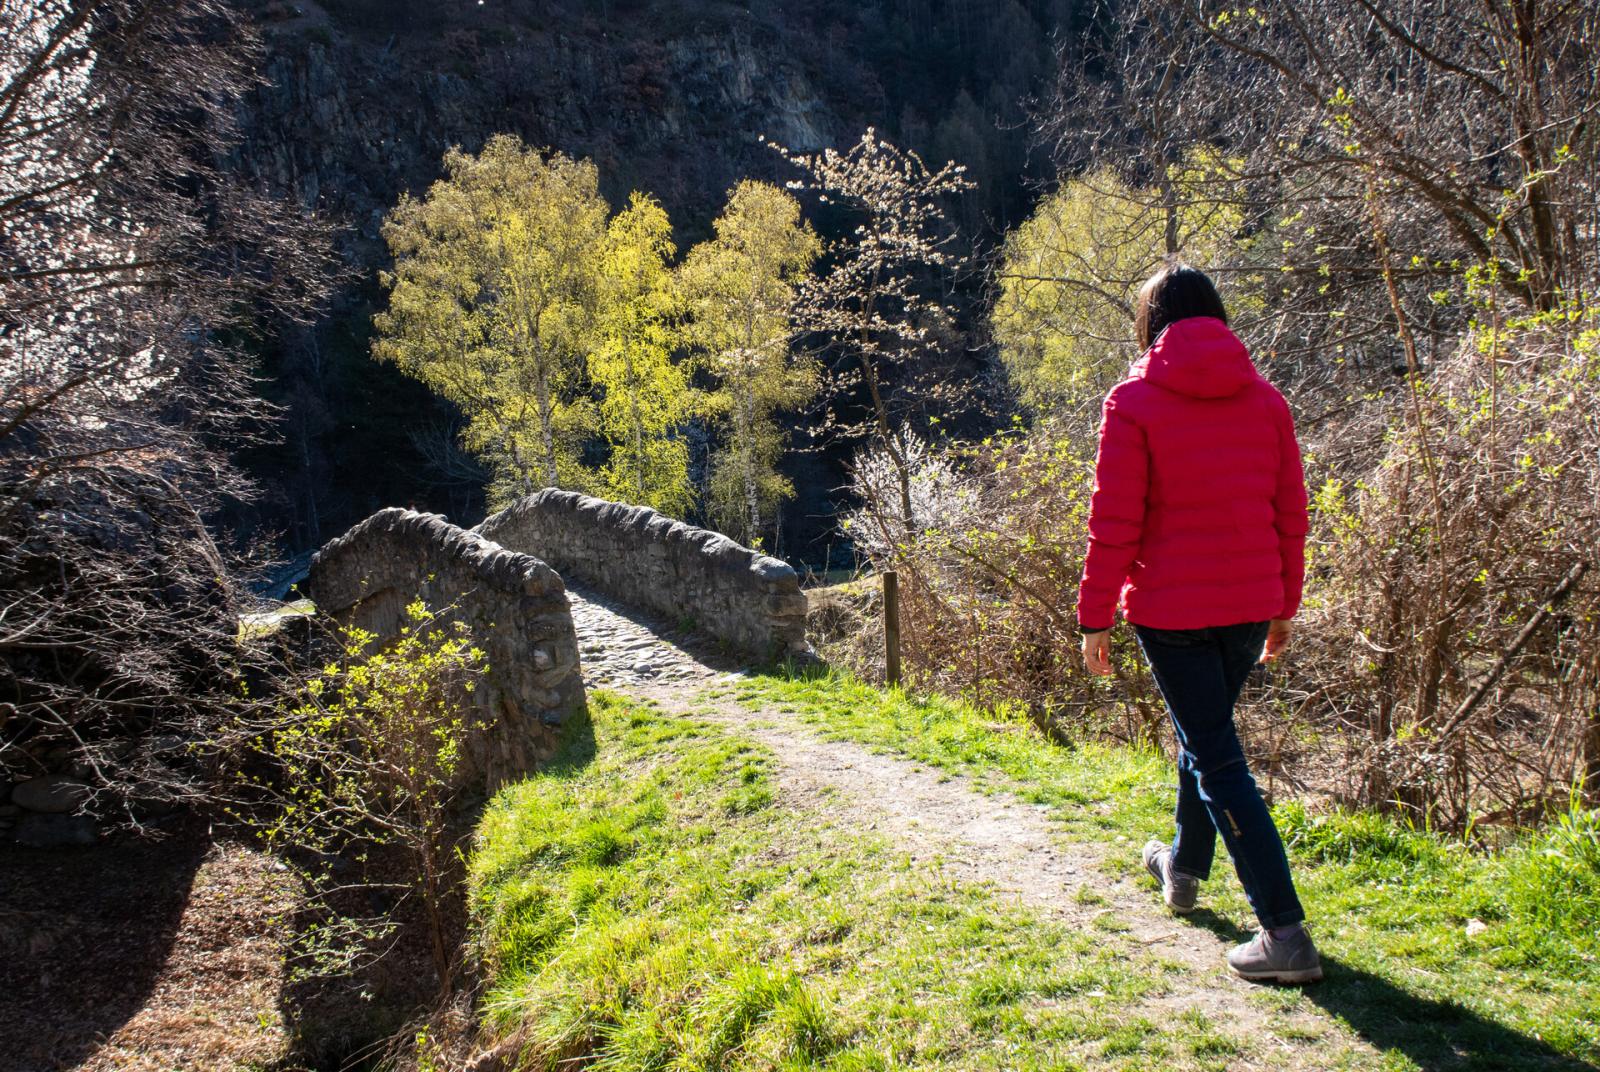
(623, 650)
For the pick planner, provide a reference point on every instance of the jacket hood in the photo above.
(1198, 356)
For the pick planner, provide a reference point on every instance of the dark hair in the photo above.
(1175, 292)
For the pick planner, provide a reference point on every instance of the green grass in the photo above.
(1389, 905)
(642, 905)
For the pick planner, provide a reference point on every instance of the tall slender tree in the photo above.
(647, 398)
(878, 304)
(740, 288)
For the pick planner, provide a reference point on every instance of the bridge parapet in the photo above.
(515, 604)
(750, 601)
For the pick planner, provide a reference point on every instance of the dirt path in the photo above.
(988, 838)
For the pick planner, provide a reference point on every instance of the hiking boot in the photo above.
(1265, 959)
(1179, 891)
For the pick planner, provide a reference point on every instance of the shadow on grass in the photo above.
(577, 747)
(1435, 1034)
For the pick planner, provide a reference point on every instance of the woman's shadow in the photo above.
(1434, 1034)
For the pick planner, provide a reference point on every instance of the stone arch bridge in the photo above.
(541, 583)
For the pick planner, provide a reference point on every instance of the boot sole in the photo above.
(1301, 975)
(1182, 910)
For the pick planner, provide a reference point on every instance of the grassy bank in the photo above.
(647, 908)
(1394, 908)
(643, 905)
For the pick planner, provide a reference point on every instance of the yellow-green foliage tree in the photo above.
(740, 290)
(647, 397)
(492, 302)
(1069, 274)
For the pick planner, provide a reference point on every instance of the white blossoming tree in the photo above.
(127, 257)
(878, 302)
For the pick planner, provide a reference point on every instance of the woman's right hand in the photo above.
(1278, 634)
(1097, 652)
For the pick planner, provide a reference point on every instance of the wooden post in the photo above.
(1591, 758)
(891, 626)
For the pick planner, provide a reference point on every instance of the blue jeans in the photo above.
(1200, 673)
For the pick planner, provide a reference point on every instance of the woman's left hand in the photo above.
(1097, 652)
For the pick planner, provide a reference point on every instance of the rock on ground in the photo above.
(50, 793)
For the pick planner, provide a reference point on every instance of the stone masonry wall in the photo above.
(750, 601)
(515, 604)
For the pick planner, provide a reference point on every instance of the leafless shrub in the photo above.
(134, 269)
(989, 576)
(1448, 106)
(1452, 638)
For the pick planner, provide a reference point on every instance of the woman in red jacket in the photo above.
(1197, 529)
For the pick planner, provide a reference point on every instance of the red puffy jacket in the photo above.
(1199, 510)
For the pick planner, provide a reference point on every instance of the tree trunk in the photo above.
(1378, 783)
(547, 438)
(747, 463)
(436, 925)
(892, 444)
(638, 431)
(890, 438)
(905, 493)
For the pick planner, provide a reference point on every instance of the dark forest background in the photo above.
(362, 97)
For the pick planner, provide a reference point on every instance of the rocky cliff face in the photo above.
(349, 117)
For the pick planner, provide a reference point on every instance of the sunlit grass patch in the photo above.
(1392, 906)
(651, 909)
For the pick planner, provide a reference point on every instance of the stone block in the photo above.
(51, 794)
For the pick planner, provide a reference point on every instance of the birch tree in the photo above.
(740, 288)
(646, 396)
(492, 302)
